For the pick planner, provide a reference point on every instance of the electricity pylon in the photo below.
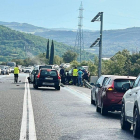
(79, 43)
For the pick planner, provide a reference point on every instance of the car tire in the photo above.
(35, 86)
(104, 111)
(92, 101)
(58, 87)
(136, 123)
(125, 125)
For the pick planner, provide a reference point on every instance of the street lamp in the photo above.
(99, 17)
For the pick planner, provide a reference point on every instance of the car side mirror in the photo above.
(92, 84)
(98, 85)
(126, 86)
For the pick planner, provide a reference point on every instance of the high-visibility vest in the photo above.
(16, 70)
(75, 72)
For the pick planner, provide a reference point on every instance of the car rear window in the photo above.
(48, 73)
(119, 82)
(48, 67)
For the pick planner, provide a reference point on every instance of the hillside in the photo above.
(113, 40)
(15, 44)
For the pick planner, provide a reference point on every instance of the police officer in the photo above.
(75, 74)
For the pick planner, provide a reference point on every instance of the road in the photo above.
(48, 114)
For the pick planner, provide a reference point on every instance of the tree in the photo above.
(51, 54)
(84, 63)
(47, 51)
(69, 56)
(57, 60)
(74, 64)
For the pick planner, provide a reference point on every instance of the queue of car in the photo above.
(119, 93)
(4, 70)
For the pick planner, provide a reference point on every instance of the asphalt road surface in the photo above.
(48, 114)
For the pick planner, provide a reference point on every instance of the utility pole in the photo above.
(79, 43)
(100, 45)
(99, 17)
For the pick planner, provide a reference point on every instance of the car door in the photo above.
(101, 82)
(130, 97)
(98, 84)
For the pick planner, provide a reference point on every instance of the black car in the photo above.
(47, 78)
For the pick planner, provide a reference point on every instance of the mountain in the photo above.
(15, 44)
(113, 40)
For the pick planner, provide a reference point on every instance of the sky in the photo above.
(117, 14)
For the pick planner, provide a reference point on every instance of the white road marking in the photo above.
(27, 131)
(79, 94)
(24, 117)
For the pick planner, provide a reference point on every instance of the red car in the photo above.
(110, 96)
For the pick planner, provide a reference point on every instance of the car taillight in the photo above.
(38, 76)
(111, 87)
(58, 75)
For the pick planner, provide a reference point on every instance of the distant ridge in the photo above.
(113, 40)
(20, 45)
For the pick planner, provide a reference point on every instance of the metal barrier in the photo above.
(87, 84)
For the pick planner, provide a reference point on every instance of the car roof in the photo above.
(106, 75)
(47, 69)
(122, 77)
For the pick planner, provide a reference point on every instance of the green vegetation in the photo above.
(51, 54)
(17, 45)
(69, 56)
(122, 63)
(47, 51)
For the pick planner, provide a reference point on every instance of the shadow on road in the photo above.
(45, 89)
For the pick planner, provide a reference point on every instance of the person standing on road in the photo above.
(16, 72)
(80, 74)
(75, 74)
(62, 74)
(85, 76)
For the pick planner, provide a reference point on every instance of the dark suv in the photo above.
(47, 78)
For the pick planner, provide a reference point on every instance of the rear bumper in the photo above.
(48, 84)
(114, 107)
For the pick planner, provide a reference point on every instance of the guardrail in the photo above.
(87, 84)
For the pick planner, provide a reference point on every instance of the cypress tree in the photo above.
(52, 54)
(47, 51)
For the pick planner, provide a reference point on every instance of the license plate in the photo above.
(47, 78)
(49, 84)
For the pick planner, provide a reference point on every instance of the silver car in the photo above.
(96, 87)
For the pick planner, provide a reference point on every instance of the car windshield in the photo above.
(104, 81)
(119, 82)
(48, 73)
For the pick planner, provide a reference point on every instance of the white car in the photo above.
(130, 114)
(28, 69)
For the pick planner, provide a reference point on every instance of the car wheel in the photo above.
(136, 124)
(35, 86)
(97, 108)
(58, 87)
(104, 111)
(124, 124)
(92, 101)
